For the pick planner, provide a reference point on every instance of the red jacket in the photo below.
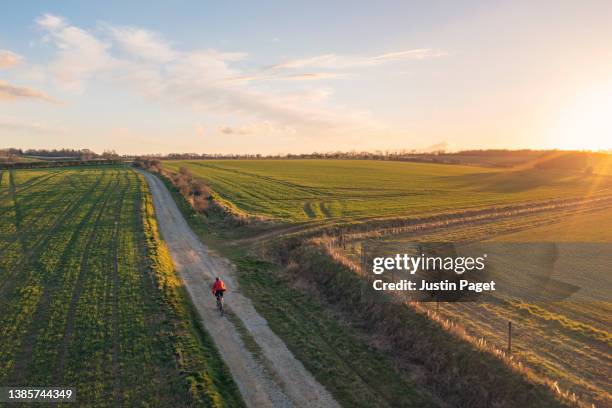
(218, 285)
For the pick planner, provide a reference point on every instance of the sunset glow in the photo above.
(276, 78)
(586, 123)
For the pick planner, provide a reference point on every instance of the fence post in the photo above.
(509, 337)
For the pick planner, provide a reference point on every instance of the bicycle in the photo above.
(220, 303)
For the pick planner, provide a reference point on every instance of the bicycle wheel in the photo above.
(220, 305)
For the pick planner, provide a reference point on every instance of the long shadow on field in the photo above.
(18, 215)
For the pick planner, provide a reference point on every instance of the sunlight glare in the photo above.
(586, 123)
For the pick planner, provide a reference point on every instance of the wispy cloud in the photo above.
(8, 59)
(311, 76)
(10, 92)
(260, 128)
(416, 54)
(306, 76)
(229, 130)
(143, 44)
(335, 61)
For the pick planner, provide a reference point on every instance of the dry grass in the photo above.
(514, 364)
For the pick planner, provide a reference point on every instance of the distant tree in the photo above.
(109, 154)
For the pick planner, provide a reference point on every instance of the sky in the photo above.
(296, 77)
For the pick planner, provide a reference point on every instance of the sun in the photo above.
(586, 122)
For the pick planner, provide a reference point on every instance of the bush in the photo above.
(201, 203)
(199, 188)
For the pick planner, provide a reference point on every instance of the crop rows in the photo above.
(410, 201)
(80, 302)
(303, 190)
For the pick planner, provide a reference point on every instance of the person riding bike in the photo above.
(218, 288)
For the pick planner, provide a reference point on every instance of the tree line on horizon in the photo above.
(12, 154)
(376, 154)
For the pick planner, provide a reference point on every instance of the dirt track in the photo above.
(289, 383)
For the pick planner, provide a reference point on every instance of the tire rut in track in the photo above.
(324, 210)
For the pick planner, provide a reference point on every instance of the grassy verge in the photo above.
(452, 366)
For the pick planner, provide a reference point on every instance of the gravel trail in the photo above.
(289, 384)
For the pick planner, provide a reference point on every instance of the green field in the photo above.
(566, 342)
(302, 190)
(89, 298)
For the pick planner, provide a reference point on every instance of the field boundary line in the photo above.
(459, 218)
(374, 227)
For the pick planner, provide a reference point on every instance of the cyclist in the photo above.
(218, 288)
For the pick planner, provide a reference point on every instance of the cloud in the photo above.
(228, 130)
(50, 21)
(306, 76)
(143, 44)
(8, 59)
(136, 60)
(258, 128)
(311, 76)
(80, 54)
(335, 61)
(417, 54)
(10, 92)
